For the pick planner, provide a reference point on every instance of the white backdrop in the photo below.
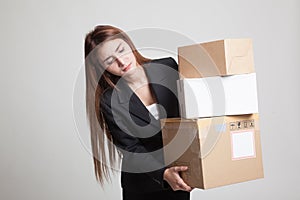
(42, 156)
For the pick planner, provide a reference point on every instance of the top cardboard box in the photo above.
(216, 58)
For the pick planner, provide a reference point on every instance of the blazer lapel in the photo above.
(131, 103)
(156, 77)
(162, 80)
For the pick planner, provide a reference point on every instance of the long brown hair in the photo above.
(97, 81)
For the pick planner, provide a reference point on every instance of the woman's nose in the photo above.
(120, 61)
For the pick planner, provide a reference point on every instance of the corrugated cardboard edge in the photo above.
(181, 97)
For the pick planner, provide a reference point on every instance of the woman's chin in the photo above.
(130, 71)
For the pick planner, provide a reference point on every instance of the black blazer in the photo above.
(135, 132)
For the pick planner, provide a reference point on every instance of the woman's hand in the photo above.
(171, 175)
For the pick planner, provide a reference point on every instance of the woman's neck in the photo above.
(139, 84)
(138, 79)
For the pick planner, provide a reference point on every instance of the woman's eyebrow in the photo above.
(115, 51)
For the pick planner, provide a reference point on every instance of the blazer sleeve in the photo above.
(136, 156)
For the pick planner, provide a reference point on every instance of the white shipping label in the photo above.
(242, 144)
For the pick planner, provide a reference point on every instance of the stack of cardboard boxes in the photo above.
(218, 136)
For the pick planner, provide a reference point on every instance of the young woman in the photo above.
(127, 95)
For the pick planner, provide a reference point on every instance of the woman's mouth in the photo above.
(125, 69)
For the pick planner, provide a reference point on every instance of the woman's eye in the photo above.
(121, 50)
(109, 62)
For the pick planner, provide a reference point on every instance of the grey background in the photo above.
(42, 155)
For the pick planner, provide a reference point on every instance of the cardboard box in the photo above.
(218, 151)
(217, 96)
(217, 58)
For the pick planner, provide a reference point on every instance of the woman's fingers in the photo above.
(172, 176)
(180, 183)
(183, 185)
(180, 168)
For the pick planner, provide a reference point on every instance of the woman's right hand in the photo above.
(171, 175)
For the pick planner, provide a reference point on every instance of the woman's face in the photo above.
(117, 57)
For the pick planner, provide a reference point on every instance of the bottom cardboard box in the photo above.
(218, 150)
